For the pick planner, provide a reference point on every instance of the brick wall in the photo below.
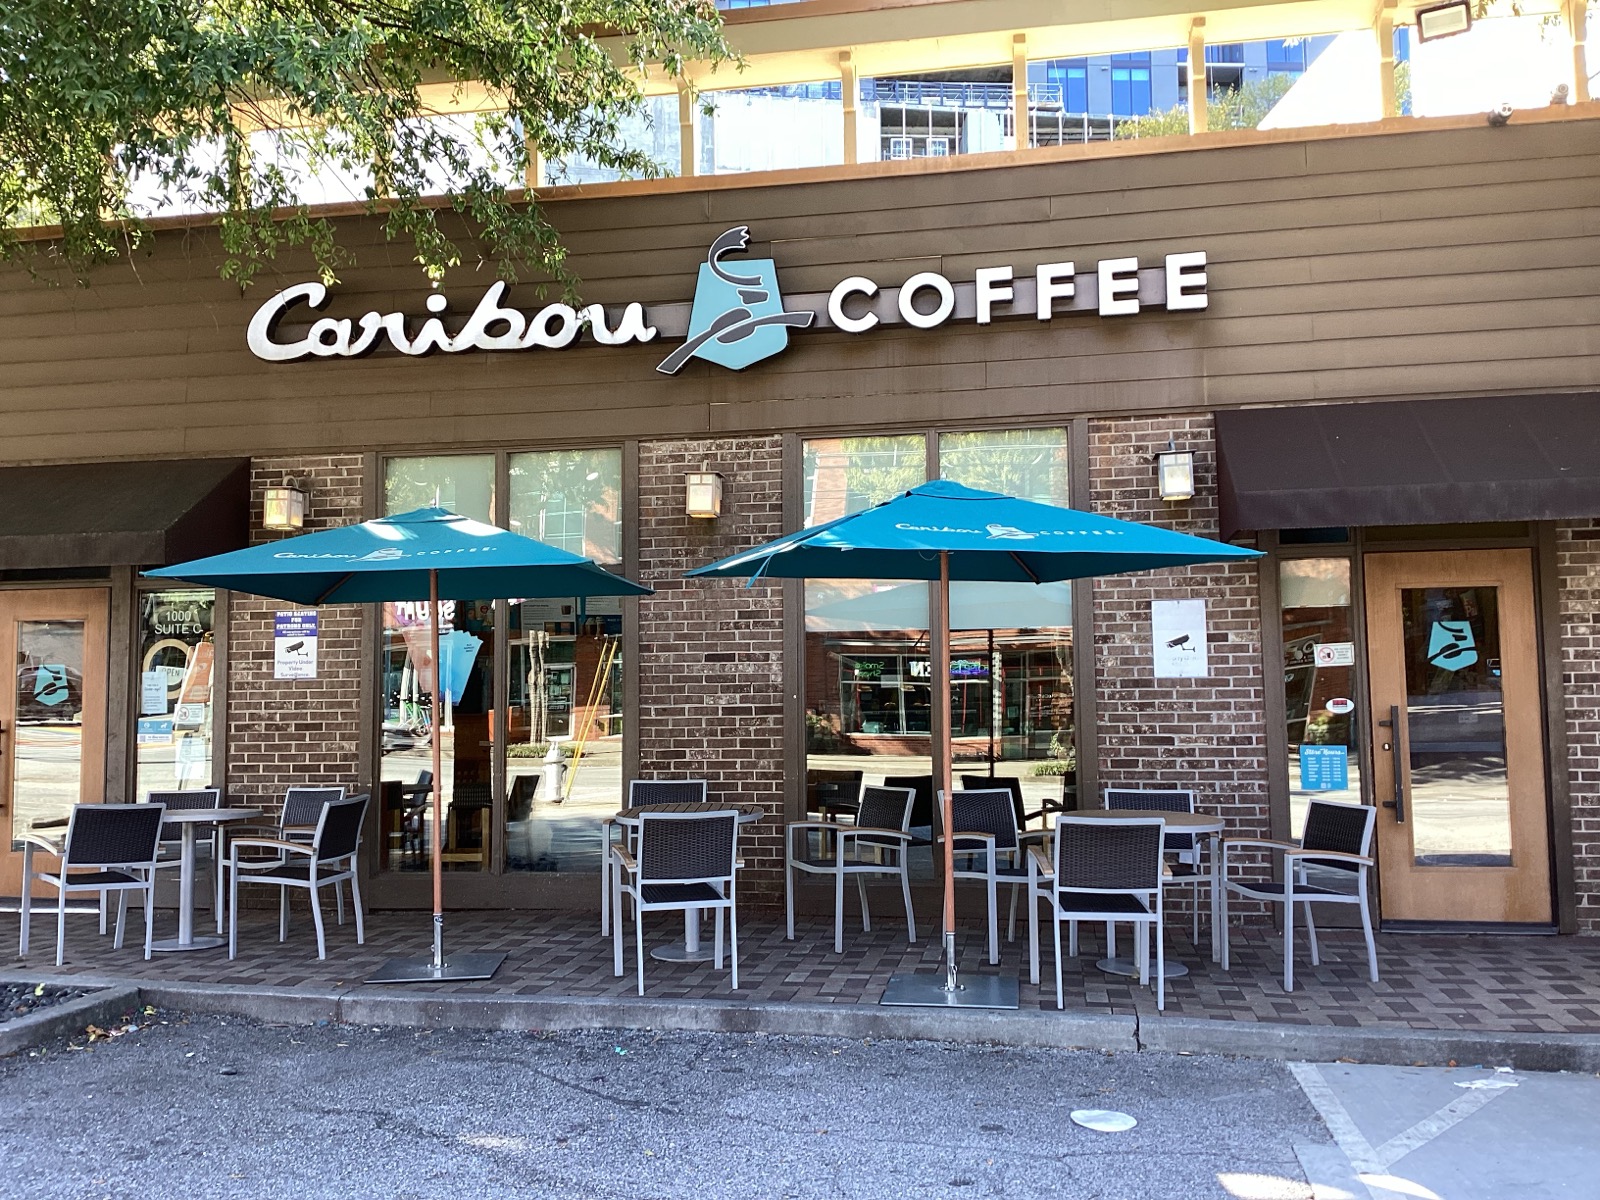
(1206, 734)
(282, 731)
(1578, 563)
(711, 651)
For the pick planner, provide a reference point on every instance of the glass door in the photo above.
(52, 712)
(1458, 761)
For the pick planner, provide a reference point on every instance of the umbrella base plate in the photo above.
(420, 969)
(926, 989)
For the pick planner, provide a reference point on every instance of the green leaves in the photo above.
(116, 111)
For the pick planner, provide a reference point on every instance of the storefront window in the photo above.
(177, 659)
(869, 685)
(562, 687)
(571, 499)
(463, 483)
(565, 695)
(452, 700)
(1319, 679)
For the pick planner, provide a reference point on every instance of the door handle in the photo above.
(1400, 757)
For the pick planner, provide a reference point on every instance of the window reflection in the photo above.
(1319, 682)
(177, 655)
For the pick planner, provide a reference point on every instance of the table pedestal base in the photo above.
(926, 989)
(420, 969)
(1129, 967)
(169, 945)
(681, 954)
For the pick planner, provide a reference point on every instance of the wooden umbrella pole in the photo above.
(941, 688)
(438, 775)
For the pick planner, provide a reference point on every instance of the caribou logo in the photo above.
(735, 320)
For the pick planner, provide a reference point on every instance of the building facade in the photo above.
(1376, 343)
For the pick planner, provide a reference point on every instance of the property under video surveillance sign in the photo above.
(294, 645)
(1178, 639)
(737, 316)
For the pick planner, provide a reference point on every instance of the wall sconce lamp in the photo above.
(702, 494)
(1175, 473)
(1443, 20)
(284, 507)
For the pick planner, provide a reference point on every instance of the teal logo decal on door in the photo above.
(737, 316)
(50, 684)
(1451, 645)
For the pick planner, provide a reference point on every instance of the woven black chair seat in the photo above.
(980, 870)
(1183, 870)
(293, 870)
(1272, 888)
(851, 859)
(99, 878)
(680, 893)
(1103, 904)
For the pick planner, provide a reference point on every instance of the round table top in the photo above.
(1177, 821)
(748, 813)
(197, 816)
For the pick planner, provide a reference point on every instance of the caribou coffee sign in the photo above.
(738, 317)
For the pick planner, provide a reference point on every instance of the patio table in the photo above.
(191, 819)
(691, 950)
(1198, 824)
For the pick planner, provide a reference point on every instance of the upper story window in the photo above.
(1130, 84)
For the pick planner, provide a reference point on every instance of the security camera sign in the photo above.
(294, 645)
(1178, 639)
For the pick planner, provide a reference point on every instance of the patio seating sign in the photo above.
(1178, 639)
(294, 645)
(1324, 768)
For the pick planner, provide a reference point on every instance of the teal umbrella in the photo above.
(945, 531)
(401, 558)
(429, 554)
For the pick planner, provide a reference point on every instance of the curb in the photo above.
(426, 1010)
(100, 1007)
(1388, 1047)
(1026, 1028)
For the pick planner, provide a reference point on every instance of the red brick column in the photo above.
(1206, 734)
(1578, 565)
(711, 651)
(283, 731)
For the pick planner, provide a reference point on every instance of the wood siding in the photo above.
(1449, 261)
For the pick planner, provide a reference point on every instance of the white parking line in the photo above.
(1371, 1164)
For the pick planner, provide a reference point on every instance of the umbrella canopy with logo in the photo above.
(945, 531)
(429, 554)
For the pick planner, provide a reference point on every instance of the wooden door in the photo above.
(52, 711)
(1458, 751)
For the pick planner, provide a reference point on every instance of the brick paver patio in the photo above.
(1443, 982)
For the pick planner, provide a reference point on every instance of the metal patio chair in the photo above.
(106, 848)
(876, 844)
(642, 793)
(989, 848)
(1328, 866)
(978, 783)
(1104, 871)
(685, 860)
(1183, 866)
(326, 860)
(212, 846)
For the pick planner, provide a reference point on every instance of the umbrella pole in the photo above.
(941, 687)
(438, 775)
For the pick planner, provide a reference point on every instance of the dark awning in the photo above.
(1412, 462)
(122, 514)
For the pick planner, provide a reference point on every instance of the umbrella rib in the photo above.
(343, 579)
(1026, 569)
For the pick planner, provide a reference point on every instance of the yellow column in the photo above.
(533, 174)
(1019, 91)
(850, 92)
(1198, 117)
(1576, 15)
(688, 133)
(1383, 30)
